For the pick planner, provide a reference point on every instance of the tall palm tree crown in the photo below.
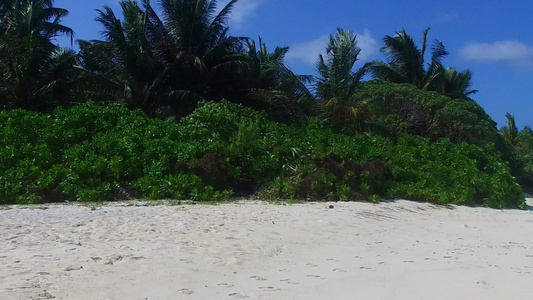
(337, 83)
(184, 54)
(510, 132)
(272, 73)
(405, 61)
(33, 70)
(336, 78)
(454, 84)
(406, 64)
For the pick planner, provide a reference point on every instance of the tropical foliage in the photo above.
(337, 83)
(271, 73)
(188, 111)
(510, 132)
(521, 145)
(274, 88)
(170, 61)
(110, 152)
(34, 72)
(402, 108)
(406, 64)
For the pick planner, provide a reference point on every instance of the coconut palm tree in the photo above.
(173, 60)
(509, 132)
(124, 65)
(406, 64)
(337, 83)
(34, 72)
(273, 87)
(454, 84)
(271, 73)
(405, 61)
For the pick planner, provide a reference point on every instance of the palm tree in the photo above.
(405, 64)
(124, 65)
(273, 87)
(175, 60)
(337, 83)
(34, 72)
(509, 132)
(405, 61)
(271, 73)
(454, 84)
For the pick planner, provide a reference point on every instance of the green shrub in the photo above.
(442, 172)
(522, 150)
(255, 151)
(223, 148)
(85, 153)
(403, 108)
(218, 122)
(181, 186)
(23, 154)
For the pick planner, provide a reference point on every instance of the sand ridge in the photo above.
(256, 250)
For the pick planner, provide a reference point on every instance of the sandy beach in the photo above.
(255, 250)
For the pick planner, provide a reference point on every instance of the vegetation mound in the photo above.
(403, 108)
(95, 153)
(412, 132)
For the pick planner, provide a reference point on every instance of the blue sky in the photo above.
(493, 38)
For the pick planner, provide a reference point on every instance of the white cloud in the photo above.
(368, 45)
(307, 52)
(242, 10)
(511, 51)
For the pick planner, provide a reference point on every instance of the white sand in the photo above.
(397, 250)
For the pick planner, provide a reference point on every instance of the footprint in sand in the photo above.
(111, 260)
(226, 285)
(238, 295)
(289, 281)
(96, 258)
(73, 268)
(340, 270)
(43, 273)
(45, 295)
(311, 265)
(316, 276)
(186, 291)
(269, 288)
(187, 261)
(258, 278)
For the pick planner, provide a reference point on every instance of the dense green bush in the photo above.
(442, 172)
(522, 149)
(88, 153)
(524, 146)
(96, 152)
(399, 109)
(403, 108)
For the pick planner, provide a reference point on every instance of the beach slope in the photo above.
(255, 250)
